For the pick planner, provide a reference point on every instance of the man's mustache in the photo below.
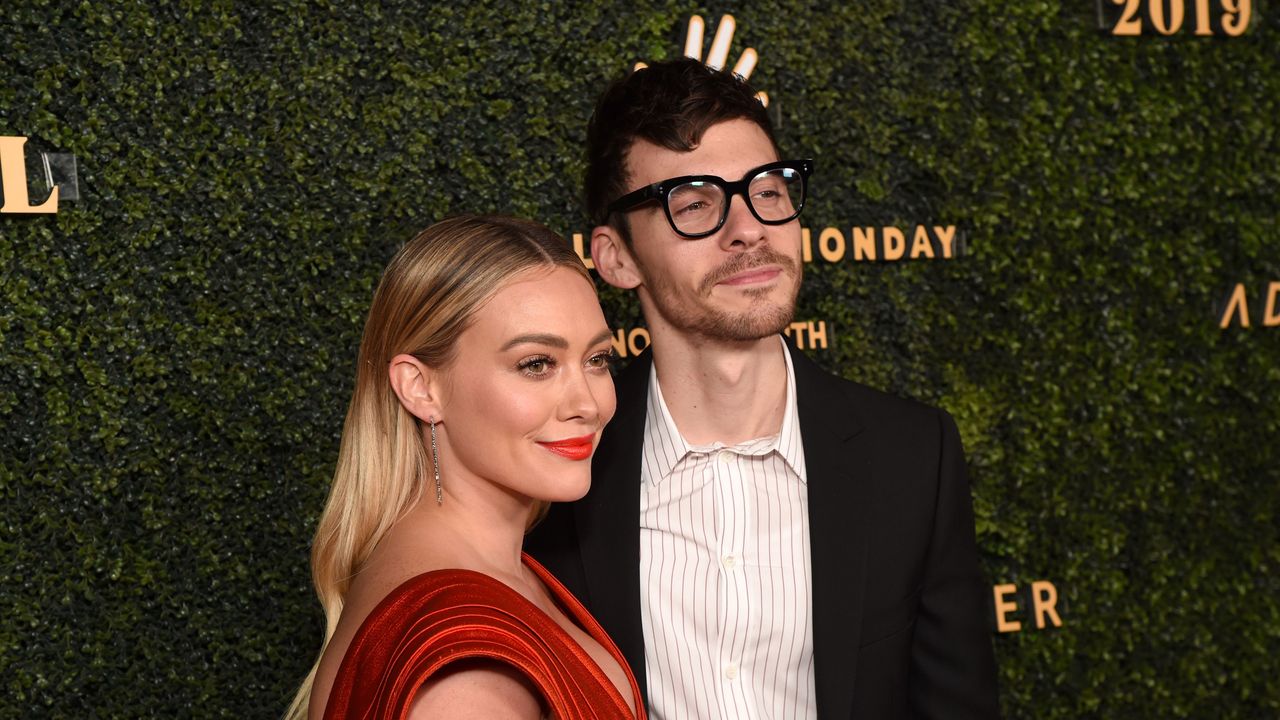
(740, 263)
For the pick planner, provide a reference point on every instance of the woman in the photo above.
(481, 390)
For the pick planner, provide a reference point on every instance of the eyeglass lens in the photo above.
(698, 207)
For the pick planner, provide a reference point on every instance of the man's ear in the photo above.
(417, 386)
(613, 258)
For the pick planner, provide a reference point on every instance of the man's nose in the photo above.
(741, 227)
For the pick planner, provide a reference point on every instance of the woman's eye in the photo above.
(602, 359)
(536, 366)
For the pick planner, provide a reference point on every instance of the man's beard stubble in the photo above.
(759, 321)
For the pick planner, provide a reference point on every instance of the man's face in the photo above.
(739, 284)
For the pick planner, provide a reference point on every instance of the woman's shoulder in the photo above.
(399, 585)
(441, 609)
(441, 596)
(430, 627)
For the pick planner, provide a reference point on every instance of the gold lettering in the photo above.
(1237, 304)
(1202, 18)
(795, 331)
(1235, 19)
(1129, 24)
(1003, 608)
(895, 243)
(13, 180)
(818, 334)
(634, 340)
(946, 235)
(864, 243)
(920, 245)
(578, 247)
(927, 242)
(619, 343)
(1155, 8)
(831, 244)
(1271, 318)
(629, 342)
(1044, 596)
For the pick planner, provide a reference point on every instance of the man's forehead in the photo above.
(727, 149)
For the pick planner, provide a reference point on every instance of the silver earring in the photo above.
(435, 462)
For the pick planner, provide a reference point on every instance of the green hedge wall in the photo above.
(176, 349)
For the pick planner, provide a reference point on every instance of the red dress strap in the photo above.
(585, 620)
(444, 616)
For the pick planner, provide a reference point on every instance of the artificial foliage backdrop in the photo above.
(177, 347)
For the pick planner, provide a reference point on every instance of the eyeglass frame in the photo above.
(661, 191)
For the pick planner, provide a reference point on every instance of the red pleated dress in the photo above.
(444, 616)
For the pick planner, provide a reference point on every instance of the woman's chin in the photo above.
(568, 491)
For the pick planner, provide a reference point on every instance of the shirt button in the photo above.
(725, 456)
(731, 671)
(730, 561)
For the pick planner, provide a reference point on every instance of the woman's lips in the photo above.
(578, 448)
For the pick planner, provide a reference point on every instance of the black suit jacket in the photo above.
(899, 603)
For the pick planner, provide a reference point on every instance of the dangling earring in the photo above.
(435, 462)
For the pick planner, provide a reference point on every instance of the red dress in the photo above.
(447, 615)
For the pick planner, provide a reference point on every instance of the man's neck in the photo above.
(722, 392)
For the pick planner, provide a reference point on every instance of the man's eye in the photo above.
(692, 207)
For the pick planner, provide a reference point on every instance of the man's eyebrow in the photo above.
(552, 340)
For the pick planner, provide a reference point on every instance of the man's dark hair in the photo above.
(670, 104)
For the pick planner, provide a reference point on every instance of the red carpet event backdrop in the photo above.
(1056, 220)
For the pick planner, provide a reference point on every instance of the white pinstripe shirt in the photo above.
(724, 572)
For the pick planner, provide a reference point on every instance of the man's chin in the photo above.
(747, 326)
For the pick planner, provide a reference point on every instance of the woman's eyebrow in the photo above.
(552, 340)
(537, 338)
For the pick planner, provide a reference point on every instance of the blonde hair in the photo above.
(425, 300)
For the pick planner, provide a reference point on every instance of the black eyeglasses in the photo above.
(697, 205)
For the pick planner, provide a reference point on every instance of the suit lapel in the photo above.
(608, 520)
(835, 456)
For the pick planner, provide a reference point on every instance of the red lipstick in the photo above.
(578, 448)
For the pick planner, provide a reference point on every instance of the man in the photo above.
(761, 539)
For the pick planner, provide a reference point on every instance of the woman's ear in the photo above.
(416, 384)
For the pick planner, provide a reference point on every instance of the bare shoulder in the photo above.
(391, 564)
(479, 689)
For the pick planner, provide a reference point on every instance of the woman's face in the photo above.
(528, 390)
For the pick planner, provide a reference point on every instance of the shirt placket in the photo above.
(734, 603)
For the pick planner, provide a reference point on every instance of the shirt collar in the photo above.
(667, 447)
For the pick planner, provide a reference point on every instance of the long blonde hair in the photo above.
(425, 300)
